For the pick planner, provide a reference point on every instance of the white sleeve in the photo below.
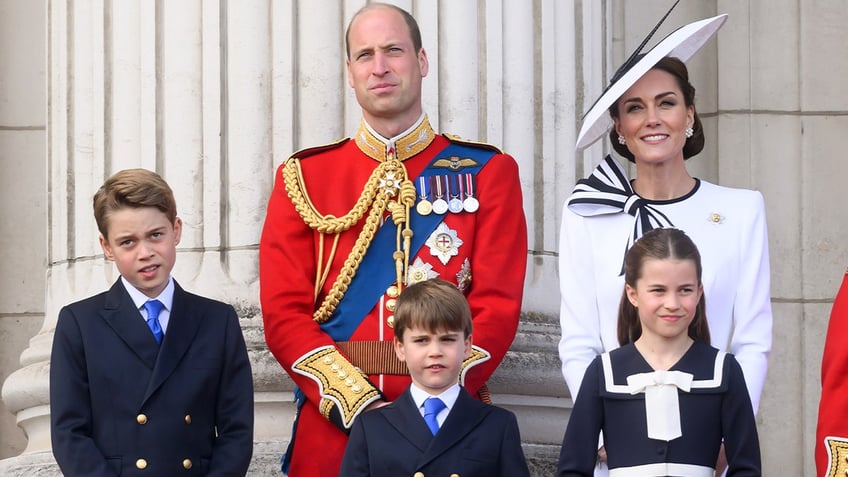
(580, 325)
(752, 315)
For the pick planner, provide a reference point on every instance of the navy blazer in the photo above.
(122, 405)
(476, 439)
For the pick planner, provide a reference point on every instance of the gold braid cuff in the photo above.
(837, 456)
(345, 390)
(478, 356)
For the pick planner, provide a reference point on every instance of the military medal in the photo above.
(470, 204)
(440, 205)
(424, 207)
(455, 204)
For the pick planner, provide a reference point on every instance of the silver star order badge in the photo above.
(390, 184)
(444, 243)
(463, 278)
(420, 271)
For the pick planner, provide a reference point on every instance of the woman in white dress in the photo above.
(655, 125)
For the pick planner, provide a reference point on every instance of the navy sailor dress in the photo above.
(714, 406)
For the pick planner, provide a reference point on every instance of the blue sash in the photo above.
(377, 272)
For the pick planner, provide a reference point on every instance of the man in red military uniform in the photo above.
(832, 430)
(350, 224)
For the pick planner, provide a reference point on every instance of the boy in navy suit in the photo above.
(146, 378)
(458, 435)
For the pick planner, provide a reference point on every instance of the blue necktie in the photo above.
(432, 407)
(153, 308)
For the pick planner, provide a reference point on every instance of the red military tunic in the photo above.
(490, 263)
(832, 430)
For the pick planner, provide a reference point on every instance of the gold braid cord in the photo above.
(388, 181)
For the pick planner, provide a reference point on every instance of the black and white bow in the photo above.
(607, 191)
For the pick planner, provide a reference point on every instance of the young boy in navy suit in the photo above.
(146, 378)
(458, 435)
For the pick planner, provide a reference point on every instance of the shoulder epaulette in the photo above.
(483, 145)
(311, 151)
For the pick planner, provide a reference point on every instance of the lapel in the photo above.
(405, 417)
(183, 325)
(467, 413)
(121, 315)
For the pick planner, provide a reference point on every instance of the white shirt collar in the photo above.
(449, 396)
(139, 298)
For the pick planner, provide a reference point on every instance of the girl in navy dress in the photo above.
(665, 400)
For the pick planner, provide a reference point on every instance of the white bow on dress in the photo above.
(662, 408)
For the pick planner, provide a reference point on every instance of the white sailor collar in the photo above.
(703, 362)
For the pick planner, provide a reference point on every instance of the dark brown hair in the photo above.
(432, 305)
(659, 244)
(677, 69)
(132, 188)
(414, 30)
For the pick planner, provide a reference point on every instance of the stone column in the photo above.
(182, 88)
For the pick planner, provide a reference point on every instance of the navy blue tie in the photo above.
(432, 407)
(153, 308)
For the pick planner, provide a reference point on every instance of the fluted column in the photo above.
(182, 88)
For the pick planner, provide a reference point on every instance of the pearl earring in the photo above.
(621, 140)
(689, 132)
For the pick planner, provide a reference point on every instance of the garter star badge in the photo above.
(444, 243)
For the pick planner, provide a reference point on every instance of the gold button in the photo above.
(391, 321)
(342, 374)
(141, 464)
(391, 303)
(356, 389)
(336, 367)
(328, 359)
(187, 464)
(188, 419)
(349, 381)
(418, 474)
(393, 292)
(141, 419)
(715, 217)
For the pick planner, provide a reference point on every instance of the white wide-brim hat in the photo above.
(683, 43)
